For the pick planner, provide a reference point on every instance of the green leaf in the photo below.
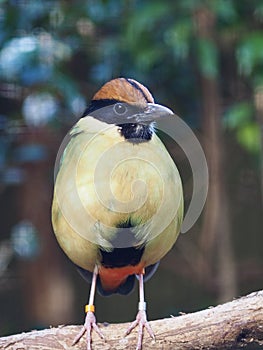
(145, 21)
(224, 9)
(178, 38)
(207, 58)
(249, 137)
(249, 53)
(238, 115)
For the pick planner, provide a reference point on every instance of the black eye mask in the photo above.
(112, 111)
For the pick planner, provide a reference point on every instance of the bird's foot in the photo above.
(90, 323)
(141, 321)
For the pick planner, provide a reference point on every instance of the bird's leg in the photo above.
(141, 318)
(90, 320)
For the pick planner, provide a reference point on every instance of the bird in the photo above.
(118, 197)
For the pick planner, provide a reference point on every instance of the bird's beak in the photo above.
(153, 112)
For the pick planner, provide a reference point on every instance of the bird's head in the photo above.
(130, 106)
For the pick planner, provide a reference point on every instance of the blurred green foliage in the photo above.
(69, 48)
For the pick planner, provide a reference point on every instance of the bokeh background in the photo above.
(203, 59)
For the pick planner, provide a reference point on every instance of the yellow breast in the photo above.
(105, 181)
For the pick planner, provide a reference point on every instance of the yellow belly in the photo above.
(104, 182)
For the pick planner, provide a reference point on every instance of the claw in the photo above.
(141, 321)
(90, 323)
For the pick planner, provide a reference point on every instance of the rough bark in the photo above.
(228, 326)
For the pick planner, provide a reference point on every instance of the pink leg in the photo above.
(141, 318)
(90, 320)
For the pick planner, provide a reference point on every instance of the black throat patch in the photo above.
(136, 133)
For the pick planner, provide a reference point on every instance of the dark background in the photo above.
(203, 59)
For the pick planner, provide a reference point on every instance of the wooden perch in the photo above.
(228, 326)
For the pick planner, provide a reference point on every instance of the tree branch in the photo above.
(228, 326)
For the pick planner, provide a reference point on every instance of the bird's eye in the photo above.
(120, 108)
